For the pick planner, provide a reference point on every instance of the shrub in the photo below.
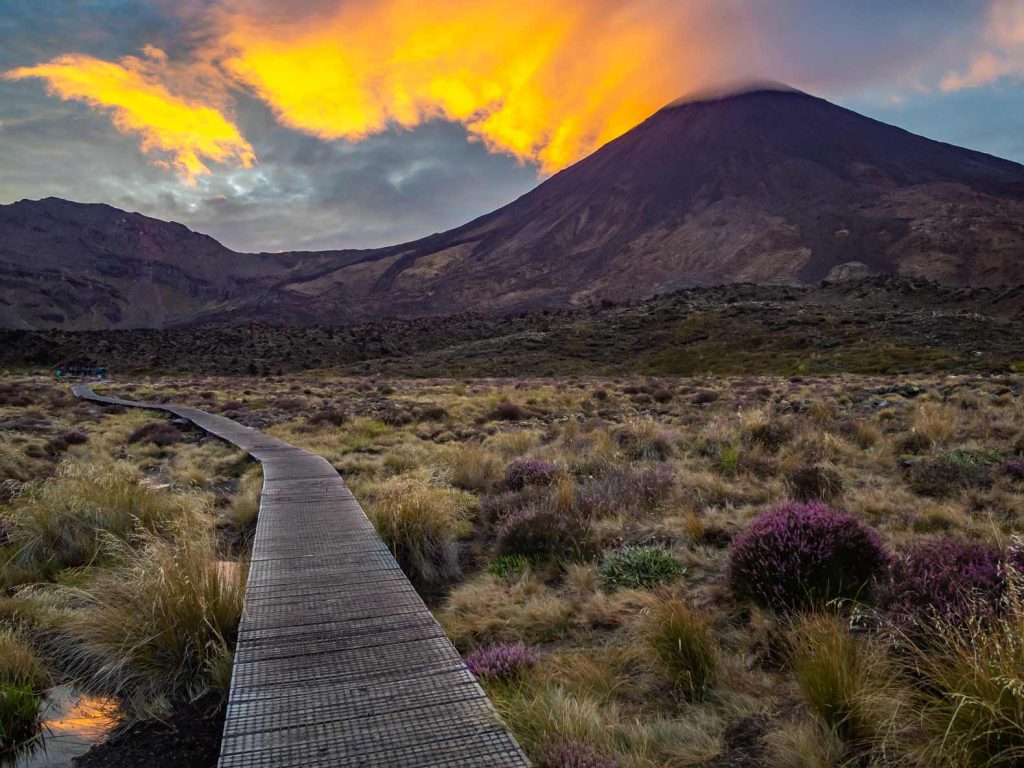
(645, 440)
(950, 472)
(528, 472)
(765, 428)
(626, 488)
(331, 416)
(159, 625)
(422, 523)
(502, 663)
(75, 437)
(55, 446)
(499, 506)
(797, 555)
(814, 483)
(945, 578)
(159, 433)
(543, 533)
(506, 411)
(704, 397)
(508, 567)
(432, 413)
(560, 752)
(682, 644)
(640, 567)
(662, 396)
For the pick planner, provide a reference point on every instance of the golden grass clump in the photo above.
(472, 467)
(422, 522)
(60, 523)
(967, 687)
(844, 679)
(244, 506)
(682, 644)
(160, 627)
(936, 423)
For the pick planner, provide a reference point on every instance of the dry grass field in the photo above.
(728, 571)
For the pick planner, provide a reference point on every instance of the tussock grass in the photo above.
(803, 744)
(969, 691)
(844, 680)
(244, 507)
(472, 467)
(645, 439)
(692, 738)
(937, 423)
(159, 627)
(487, 610)
(683, 645)
(422, 521)
(60, 523)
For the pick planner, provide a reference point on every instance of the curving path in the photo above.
(339, 662)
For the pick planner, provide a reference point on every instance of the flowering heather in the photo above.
(945, 578)
(528, 472)
(796, 555)
(557, 752)
(501, 662)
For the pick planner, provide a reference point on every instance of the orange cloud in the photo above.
(185, 132)
(546, 82)
(1002, 50)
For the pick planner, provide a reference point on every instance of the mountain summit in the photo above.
(765, 185)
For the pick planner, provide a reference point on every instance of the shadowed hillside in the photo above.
(762, 187)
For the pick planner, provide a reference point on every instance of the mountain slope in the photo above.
(763, 186)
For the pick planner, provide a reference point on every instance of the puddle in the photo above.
(72, 723)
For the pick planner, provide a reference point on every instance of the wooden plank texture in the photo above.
(339, 662)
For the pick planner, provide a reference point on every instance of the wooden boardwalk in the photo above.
(339, 662)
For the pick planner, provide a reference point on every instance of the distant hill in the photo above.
(765, 186)
(866, 325)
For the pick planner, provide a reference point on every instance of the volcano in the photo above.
(761, 186)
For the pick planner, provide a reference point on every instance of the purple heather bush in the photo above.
(946, 578)
(559, 752)
(501, 662)
(528, 472)
(803, 554)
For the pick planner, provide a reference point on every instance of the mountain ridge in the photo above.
(765, 186)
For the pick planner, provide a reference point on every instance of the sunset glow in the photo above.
(184, 134)
(548, 83)
(545, 83)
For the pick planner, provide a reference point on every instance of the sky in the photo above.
(357, 123)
